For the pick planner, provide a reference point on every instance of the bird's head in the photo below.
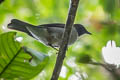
(81, 29)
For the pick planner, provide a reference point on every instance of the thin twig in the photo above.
(110, 68)
(65, 38)
(101, 64)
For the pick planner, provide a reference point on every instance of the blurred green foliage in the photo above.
(84, 58)
(100, 17)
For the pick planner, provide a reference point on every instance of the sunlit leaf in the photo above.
(14, 62)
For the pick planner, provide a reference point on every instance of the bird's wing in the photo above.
(38, 33)
(54, 29)
(60, 25)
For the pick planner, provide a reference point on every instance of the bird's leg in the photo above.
(53, 47)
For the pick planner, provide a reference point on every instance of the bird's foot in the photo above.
(53, 47)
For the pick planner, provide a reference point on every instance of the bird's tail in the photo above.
(19, 25)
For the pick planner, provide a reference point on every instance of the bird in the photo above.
(48, 34)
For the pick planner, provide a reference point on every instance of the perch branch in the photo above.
(65, 38)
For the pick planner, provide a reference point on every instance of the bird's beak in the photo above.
(89, 33)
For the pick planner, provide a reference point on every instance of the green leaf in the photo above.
(14, 61)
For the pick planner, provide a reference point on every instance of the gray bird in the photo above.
(48, 34)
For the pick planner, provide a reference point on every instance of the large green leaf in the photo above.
(14, 61)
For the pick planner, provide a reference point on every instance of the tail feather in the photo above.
(20, 26)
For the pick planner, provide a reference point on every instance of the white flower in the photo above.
(111, 53)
